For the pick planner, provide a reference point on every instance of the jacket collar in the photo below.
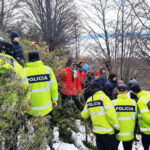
(99, 92)
(140, 94)
(34, 64)
(122, 96)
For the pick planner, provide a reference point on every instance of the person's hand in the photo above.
(55, 105)
(117, 131)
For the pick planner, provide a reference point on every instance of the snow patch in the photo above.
(63, 146)
(79, 137)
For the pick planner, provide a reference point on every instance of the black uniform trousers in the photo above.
(127, 145)
(106, 142)
(146, 141)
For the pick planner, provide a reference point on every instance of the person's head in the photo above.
(81, 63)
(85, 67)
(119, 82)
(131, 82)
(94, 87)
(47, 49)
(72, 66)
(96, 75)
(135, 88)
(69, 61)
(14, 37)
(122, 89)
(33, 56)
(113, 77)
(90, 75)
(6, 47)
(57, 58)
(103, 70)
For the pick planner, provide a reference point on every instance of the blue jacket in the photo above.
(98, 82)
(103, 81)
(108, 88)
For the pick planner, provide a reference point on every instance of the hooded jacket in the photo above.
(70, 82)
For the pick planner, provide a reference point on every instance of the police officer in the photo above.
(126, 113)
(143, 114)
(104, 119)
(8, 63)
(43, 84)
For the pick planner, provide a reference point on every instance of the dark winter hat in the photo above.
(94, 87)
(122, 87)
(131, 82)
(33, 56)
(70, 61)
(13, 35)
(112, 75)
(135, 88)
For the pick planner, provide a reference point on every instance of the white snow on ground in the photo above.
(64, 146)
(79, 137)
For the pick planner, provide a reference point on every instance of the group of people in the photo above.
(112, 110)
(112, 105)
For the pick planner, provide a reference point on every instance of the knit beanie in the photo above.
(70, 61)
(122, 87)
(111, 76)
(94, 87)
(33, 56)
(13, 35)
(131, 82)
(135, 88)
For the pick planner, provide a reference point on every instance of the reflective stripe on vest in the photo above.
(126, 118)
(24, 80)
(86, 110)
(145, 129)
(55, 98)
(48, 83)
(103, 129)
(53, 80)
(8, 60)
(109, 106)
(144, 110)
(98, 113)
(142, 98)
(116, 125)
(42, 107)
(15, 64)
(125, 134)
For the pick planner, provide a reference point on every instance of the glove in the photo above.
(55, 105)
(117, 131)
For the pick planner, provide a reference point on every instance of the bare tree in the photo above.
(141, 9)
(54, 18)
(9, 12)
(114, 38)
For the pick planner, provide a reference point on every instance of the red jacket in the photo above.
(70, 84)
(83, 74)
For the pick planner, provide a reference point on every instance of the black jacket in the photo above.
(18, 52)
(109, 87)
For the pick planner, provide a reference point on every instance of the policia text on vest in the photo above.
(125, 108)
(39, 78)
